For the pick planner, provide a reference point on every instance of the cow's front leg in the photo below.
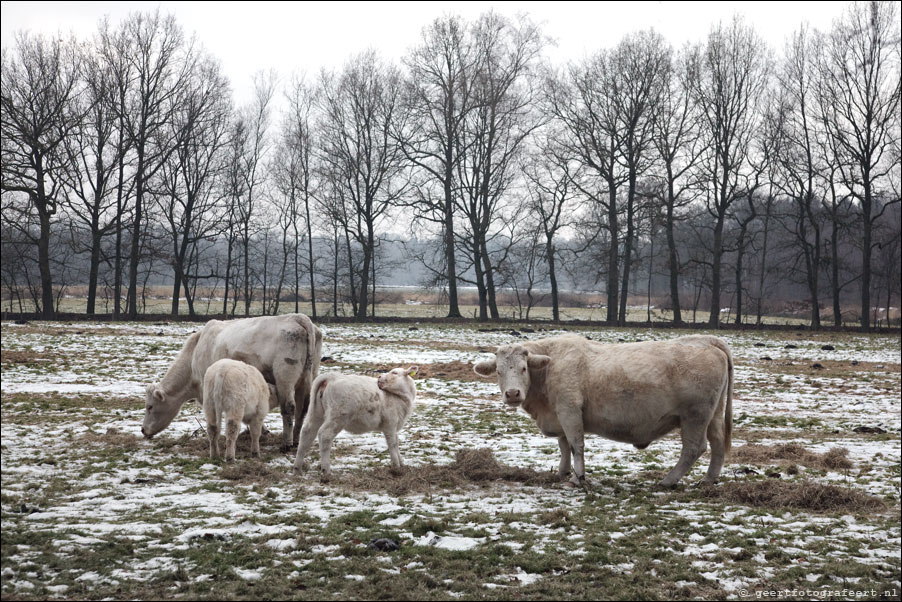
(563, 469)
(570, 417)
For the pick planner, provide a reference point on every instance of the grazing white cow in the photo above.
(630, 392)
(237, 392)
(357, 404)
(285, 349)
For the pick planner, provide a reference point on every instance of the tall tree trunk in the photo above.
(628, 246)
(672, 258)
(740, 251)
(310, 253)
(136, 239)
(95, 267)
(760, 309)
(489, 282)
(866, 210)
(613, 260)
(714, 318)
(555, 307)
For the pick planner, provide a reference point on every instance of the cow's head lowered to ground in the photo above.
(513, 365)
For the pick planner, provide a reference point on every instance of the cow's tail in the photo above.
(307, 324)
(316, 393)
(728, 410)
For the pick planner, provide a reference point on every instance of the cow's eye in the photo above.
(522, 369)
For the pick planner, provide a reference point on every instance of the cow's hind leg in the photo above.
(718, 438)
(563, 469)
(692, 432)
(301, 407)
(285, 392)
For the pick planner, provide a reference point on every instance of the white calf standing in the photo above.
(357, 404)
(238, 392)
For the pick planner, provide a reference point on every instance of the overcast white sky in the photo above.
(305, 36)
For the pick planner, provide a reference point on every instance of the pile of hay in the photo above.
(470, 466)
(795, 495)
(836, 458)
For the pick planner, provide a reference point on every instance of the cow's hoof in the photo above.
(665, 484)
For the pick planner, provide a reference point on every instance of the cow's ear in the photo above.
(158, 395)
(537, 362)
(412, 371)
(486, 368)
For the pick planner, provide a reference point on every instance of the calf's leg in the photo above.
(212, 429)
(391, 437)
(327, 433)
(312, 424)
(233, 427)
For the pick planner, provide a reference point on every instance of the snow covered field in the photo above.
(92, 510)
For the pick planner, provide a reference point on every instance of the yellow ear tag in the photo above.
(412, 373)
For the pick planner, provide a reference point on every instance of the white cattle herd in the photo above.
(629, 392)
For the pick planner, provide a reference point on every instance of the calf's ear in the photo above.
(486, 368)
(158, 395)
(412, 371)
(536, 361)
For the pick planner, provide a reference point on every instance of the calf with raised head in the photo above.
(357, 404)
(239, 393)
(630, 392)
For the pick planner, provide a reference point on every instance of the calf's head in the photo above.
(399, 381)
(512, 366)
(159, 410)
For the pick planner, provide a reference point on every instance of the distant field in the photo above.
(810, 498)
(418, 303)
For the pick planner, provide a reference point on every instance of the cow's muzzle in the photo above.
(513, 397)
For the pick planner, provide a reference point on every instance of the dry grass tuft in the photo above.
(113, 437)
(470, 466)
(796, 495)
(836, 458)
(251, 472)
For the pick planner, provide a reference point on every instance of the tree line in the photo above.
(721, 172)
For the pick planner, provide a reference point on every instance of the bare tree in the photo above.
(251, 170)
(800, 173)
(439, 96)
(94, 150)
(361, 114)
(298, 175)
(580, 100)
(677, 141)
(861, 86)
(733, 69)
(638, 67)
(550, 187)
(190, 195)
(39, 86)
(160, 63)
(493, 135)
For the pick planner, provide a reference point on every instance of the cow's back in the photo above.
(634, 392)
